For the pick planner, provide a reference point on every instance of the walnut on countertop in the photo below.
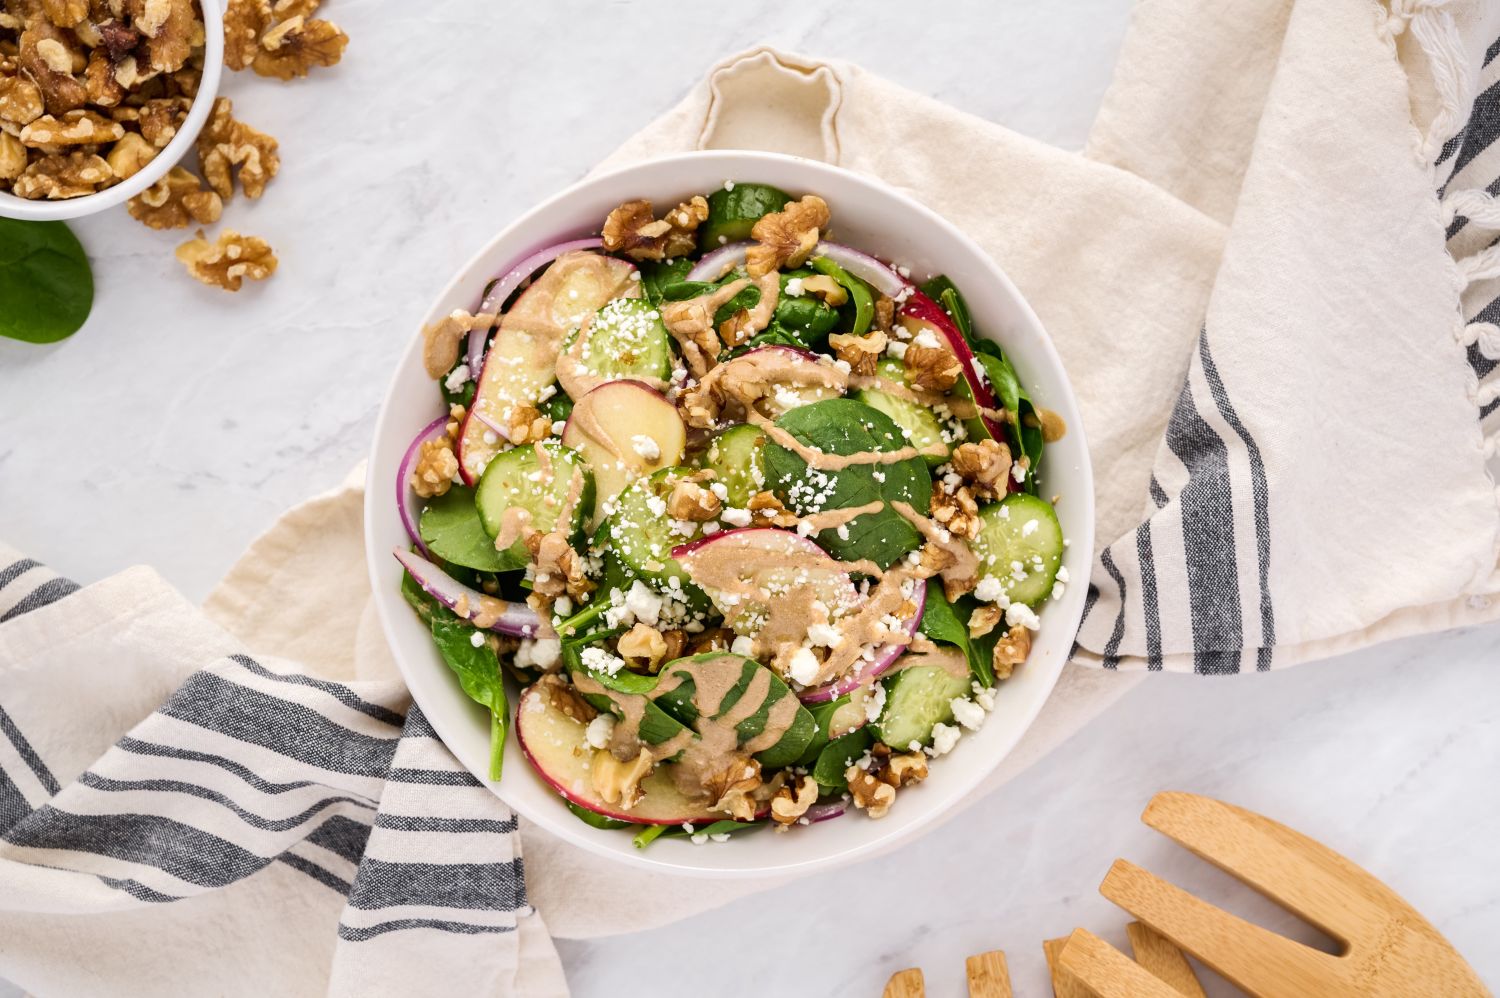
(291, 48)
(62, 175)
(175, 201)
(225, 144)
(244, 22)
(786, 238)
(228, 261)
(634, 230)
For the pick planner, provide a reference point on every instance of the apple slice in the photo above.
(522, 359)
(555, 746)
(772, 560)
(624, 430)
(799, 376)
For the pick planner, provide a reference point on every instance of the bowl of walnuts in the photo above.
(99, 99)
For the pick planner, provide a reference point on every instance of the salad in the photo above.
(753, 521)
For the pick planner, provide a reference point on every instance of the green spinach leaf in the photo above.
(844, 426)
(746, 298)
(840, 754)
(450, 526)
(947, 623)
(861, 299)
(46, 287)
(1022, 419)
(478, 672)
(657, 273)
(594, 818)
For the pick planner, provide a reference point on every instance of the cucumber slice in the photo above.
(1020, 531)
(916, 700)
(734, 456)
(627, 340)
(451, 529)
(640, 536)
(733, 212)
(920, 425)
(515, 478)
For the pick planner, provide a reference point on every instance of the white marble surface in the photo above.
(180, 421)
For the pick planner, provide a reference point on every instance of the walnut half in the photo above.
(225, 144)
(873, 783)
(786, 238)
(175, 201)
(228, 261)
(634, 230)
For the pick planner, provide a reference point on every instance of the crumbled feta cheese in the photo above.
(1030, 527)
(476, 639)
(645, 446)
(926, 339)
(729, 185)
(803, 667)
(719, 837)
(599, 660)
(794, 287)
(643, 603)
(897, 349)
(457, 378)
(719, 489)
(1018, 471)
(843, 531)
(1058, 588)
(875, 702)
(657, 505)
(1021, 615)
(599, 730)
(1062, 574)
(540, 652)
(944, 737)
(968, 713)
(743, 646)
(491, 437)
(698, 838)
(557, 427)
(988, 590)
(736, 517)
(825, 635)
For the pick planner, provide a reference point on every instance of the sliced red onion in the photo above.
(517, 619)
(919, 306)
(868, 672)
(508, 283)
(721, 261)
(878, 275)
(825, 810)
(406, 498)
(503, 433)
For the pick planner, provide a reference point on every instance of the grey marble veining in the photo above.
(180, 421)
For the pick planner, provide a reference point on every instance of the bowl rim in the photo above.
(27, 210)
(377, 497)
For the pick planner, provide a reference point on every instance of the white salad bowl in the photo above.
(28, 210)
(868, 216)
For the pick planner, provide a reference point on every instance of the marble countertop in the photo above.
(180, 421)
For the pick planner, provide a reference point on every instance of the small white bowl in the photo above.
(213, 67)
(867, 215)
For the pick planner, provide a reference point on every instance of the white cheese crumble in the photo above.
(988, 590)
(944, 737)
(743, 646)
(825, 635)
(599, 660)
(540, 652)
(794, 287)
(476, 639)
(599, 730)
(1018, 472)
(643, 603)
(736, 517)
(968, 713)
(457, 378)
(1019, 614)
(875, 703)
(1030, 527)
(803, 667)
(645, 446)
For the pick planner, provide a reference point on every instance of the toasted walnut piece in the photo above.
(956, 511)
(1011, 651)
(562, 696)
(160, 118)
(559, 567)
(643, 643)
(984, 619)
(768, 511)
(786, 238)
(282, 10)
(732, 789)
(826, 288)
(885, 313)
(619, 782)
(170, 26)
(99, 79)
(985, 464)
(175, 201)
(524, 424)
(691, 501)
(861, 353)
(869, 793)
(709, 639)
(118, 39)
(909, 767)
(75, 128)
(244, 22)
(675, 642)
(296, 45)
(12, 157)
(65, 13)
(634, 230)
(227, 262)
(226, 143)
(49, 63)
(62, 175)
(20, 100)
(129, 155)
(436, 467)
(932, 369)
(791, 803)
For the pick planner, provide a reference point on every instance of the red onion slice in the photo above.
(517, 619)
(919, 306)
(406, 498)
(885, 657)
(719, 262)
(508, 283)
(878, 275)
(825, 810)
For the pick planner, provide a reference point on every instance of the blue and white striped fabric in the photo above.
(337, 799)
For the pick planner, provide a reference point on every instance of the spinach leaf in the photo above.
(657, 273)
(844, 426)
(860, 296)
(46, 287)
(450, 526)
(649, 834)
(840, 754)
(558, 408)
(947, 623)
(747, 297)
(1022, 419)
(773, 335)
(464, 396)
(478, 672)
(807, 317)
(420, 601)
(594, 818)
(683, 290)
(943, 291)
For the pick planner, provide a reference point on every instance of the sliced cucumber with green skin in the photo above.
(1023, 529)
(733, 212)
(734, 457)
(920, 423)
(838, 756)
(514, 478)
(628, 340)
(451, 528)
(640, 536)
(916, 700)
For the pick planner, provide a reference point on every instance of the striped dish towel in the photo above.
(313, 836)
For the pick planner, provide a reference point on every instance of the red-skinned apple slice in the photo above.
(624, 430)
(555, 746)
(522, 359)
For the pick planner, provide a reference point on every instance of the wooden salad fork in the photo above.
(1388, 948)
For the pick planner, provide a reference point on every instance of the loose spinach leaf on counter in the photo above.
(46, 287)
(844, 426)
(946, 623)
(478, 672)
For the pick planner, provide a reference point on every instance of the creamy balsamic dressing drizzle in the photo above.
(823, 461)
